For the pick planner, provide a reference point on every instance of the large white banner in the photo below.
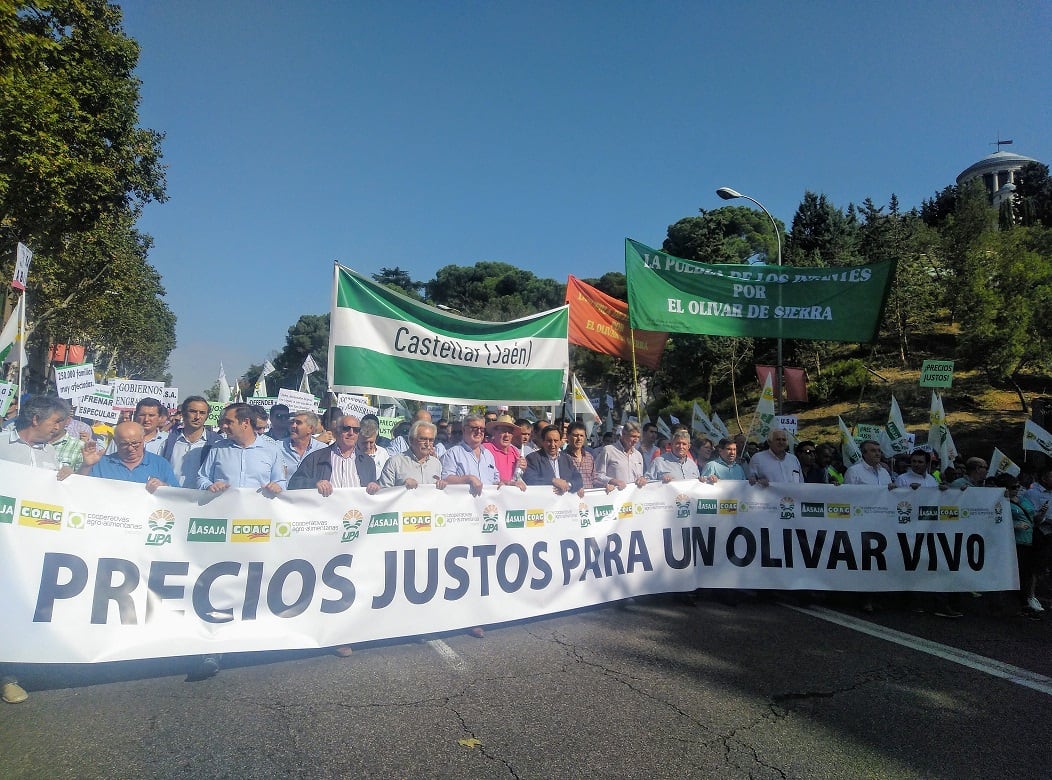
(97, 570)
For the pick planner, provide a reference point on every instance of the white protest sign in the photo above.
(355, 404)
(170, 397)
(266, 403)
(787, 422)
(75, 382)
(94, 407)
(387, 425)
(7, 395)
(128, 392)
(297, 401)
(103, 391)
(23, 257)
(867, 432)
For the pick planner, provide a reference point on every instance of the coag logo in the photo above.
(625, 511)
(838, 511)
(949, 513)
(787, 507)
(161, 523)
(206, 529)
(812, 509)
(928, 513)
(7, 509)
(36, 515)
(728, 507)
(682, 505)
(535, 518)
(490, 516)
(250, 531)
(383, 523)
(707, 506)
(352, 523)
(584, 515)
(416, 521)
(904, 510)
(600, 513)
(515, 518)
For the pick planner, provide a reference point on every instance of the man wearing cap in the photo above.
(510, 464)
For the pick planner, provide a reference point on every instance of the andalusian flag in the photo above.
(763, 420)
(382, 342)
(849, 451)
(893, 438)
(12, 335)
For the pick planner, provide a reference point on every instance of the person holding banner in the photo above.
(340, 465)
(620, 463)
(552, 466)
(242, 459)
(510, 464)
(400, 444)
(469, 463)
(132, 462)
(300, 442)
(676, 464)
(776, 463)
(917, 476)
(725, 465)
(419, 466)
(870, 470)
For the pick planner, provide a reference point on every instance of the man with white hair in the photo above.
(776, 463)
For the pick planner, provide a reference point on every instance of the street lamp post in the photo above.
(726, 193)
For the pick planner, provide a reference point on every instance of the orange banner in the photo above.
(600, 323)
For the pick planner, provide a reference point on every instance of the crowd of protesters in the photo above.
(290, 450)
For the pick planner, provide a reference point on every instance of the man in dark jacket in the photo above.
(339, 465)
(551, 466)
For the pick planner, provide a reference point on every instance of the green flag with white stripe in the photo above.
(384, 343)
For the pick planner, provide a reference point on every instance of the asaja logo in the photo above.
(812, 509)
(206, 529)
(584, 515)
(904, 510)
(248, 530)
(490, 517)
(535, 518)
(728, 506)
(682, 505)
(707, 506)
(36, 515)
(352, 524)
(838, 511)
(949, 513)
(7, 509)
(928, 513)
(787, 507)
(161, 522)
(383, 523)
(515, 518)
(416, 521)
(600, 513)
(283, 530)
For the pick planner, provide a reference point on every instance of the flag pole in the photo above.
(21, 343)
(635, 373)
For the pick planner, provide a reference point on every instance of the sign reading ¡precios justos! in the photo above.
(936, 373)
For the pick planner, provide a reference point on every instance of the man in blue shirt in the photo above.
(132, 463)
(242, 459)
(726, 465)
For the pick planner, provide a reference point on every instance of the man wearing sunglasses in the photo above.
(340, 465)
(469, 463)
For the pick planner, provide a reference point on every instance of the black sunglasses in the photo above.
(350, 428)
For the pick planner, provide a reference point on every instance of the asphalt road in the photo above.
(655, 688)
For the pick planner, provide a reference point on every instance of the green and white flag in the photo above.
(1002, 464)
(667, 293)
(12, 343)
(893, 437)
(1036, 438)
(382, 342)
(849, 451)
(763, 420)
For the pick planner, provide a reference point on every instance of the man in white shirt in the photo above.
(917, 476)
(869, 470)
(776, 463)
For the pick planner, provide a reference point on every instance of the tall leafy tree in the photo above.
(399, 280)
(1032, 203)
(821, 234)
(494, 291)
(309, 336)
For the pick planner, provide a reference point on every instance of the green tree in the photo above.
(1032, 203)
(725, 235)
(309, 336)
(494, 291)
(399, 280)
(821, 235)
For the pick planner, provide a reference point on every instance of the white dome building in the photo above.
(998, 172)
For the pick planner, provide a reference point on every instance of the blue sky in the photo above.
(538, 134)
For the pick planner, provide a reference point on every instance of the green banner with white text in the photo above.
(667, 293)
(384, 343)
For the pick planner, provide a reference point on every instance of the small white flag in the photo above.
(1002, 464)
(849, 450)
(1036, 438)
(309, 366)
(224, 386)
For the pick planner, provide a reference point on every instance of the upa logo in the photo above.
(160, 522)
(998, 513)
(728, 506)
(34, 515)
(412, 522)
(787, 507)
(928, 513)
(535, 518)
(838, 511)
(515, 518)
(682, 505)
(601, 513)
(584, 515)
(707, 506)
(7, 509)
(352, 523)
(813, 509)
(949, 513)
(383, 523)
(206, 529)
(248, 530)
(490, 518)
(904, 511)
